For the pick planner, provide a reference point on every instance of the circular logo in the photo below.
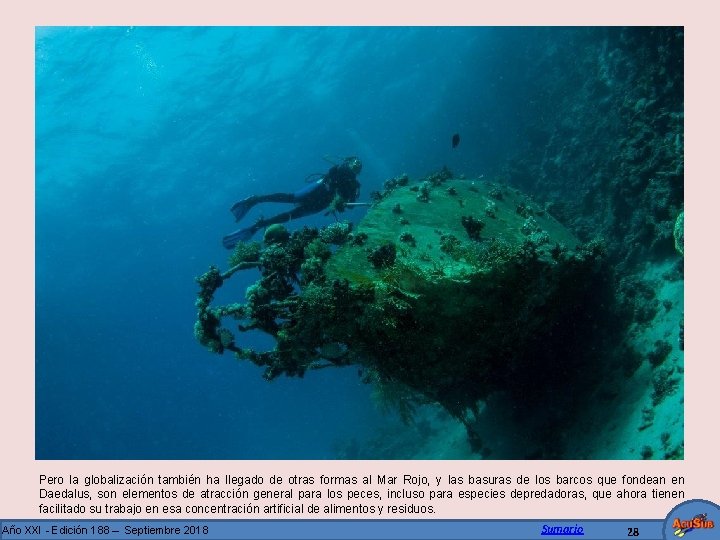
(696, 519)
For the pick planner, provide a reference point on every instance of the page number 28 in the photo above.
(633, 531)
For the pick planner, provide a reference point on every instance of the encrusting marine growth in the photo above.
(447, 291)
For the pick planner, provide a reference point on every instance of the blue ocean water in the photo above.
(144, 139)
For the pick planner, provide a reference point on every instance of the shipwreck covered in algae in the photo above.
(449, 290)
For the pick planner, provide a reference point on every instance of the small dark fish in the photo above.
(456, 140)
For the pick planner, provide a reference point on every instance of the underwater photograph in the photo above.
(359, 243)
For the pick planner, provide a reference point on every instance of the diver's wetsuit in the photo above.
(340, 180)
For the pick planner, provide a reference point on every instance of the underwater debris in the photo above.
(440, 177)
(276, 234)
(424, 192)
(358, 239)
(375, 197)
(524, 210)
(530, 226)
(451, 245)
(473, 226)
(245, 252)
(383, 256)
(496, 193)
(337, 233)
(451, 323)
(389, 185)
(392, 183)
(408, 238)
(455, 140)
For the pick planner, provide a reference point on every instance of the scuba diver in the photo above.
(339, 182)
